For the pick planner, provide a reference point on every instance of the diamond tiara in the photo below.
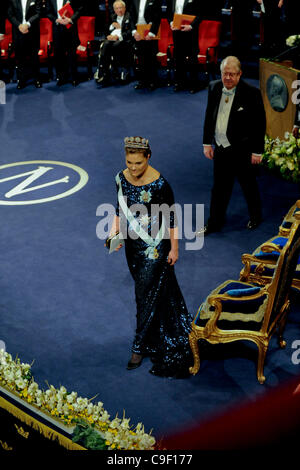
(136, 142)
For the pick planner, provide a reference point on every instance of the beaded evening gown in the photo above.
(163, 322)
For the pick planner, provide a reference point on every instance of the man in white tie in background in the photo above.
(234, 131)
(24, 16)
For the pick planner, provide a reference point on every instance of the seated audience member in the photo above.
(26, 37)
(117, 45)
(65, 39)
(148, 12)
(185, 42)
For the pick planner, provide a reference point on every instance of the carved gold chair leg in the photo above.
(281, 328)
(262, 351)
(193, 340)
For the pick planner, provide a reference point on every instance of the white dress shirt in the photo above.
(24, 3)
(179, 6)
(59, 5)
(223, 117)
(115, 31)
(141, 17)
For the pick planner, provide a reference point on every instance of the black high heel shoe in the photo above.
(134, 364)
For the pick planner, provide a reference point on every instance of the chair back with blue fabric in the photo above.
(289, 219)
(285, 269)
(259, 266)
(238, 310)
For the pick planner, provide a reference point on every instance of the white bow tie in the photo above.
(228, 92)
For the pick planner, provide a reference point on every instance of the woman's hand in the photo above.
(118, 247)
(172, 257)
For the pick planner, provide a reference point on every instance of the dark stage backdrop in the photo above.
(68, 305)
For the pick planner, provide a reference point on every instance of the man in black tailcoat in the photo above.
(146, 12)
(273, 26)
(3, 15)
(185, 42)
(24, 16)
(65, 39)
(234, 131)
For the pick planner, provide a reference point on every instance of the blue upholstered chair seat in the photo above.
(239, 311)
(257, 305)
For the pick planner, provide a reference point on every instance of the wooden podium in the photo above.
(276, 79)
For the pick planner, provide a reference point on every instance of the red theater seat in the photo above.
(46, 45)
(209, 40)
(165, 47)
(86, 32)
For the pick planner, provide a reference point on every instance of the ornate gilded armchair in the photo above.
(259, 266)
(238, 310)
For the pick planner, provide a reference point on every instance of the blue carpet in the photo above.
(67, 304)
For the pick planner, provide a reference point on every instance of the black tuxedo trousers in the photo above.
(64, 52)
(232, 164)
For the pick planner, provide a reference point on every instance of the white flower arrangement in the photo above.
(293, 40)
(67, 407)
(283, 155)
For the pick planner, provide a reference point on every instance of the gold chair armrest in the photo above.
(216, 300)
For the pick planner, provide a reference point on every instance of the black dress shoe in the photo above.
(178, 87)
(21, 84)
(253, 224)
(207, 229)
(124, 76)
(37, 84)
(61, 82)
(139, 86)
(103, 80)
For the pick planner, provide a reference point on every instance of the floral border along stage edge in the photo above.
(71, 410)
(284, 156)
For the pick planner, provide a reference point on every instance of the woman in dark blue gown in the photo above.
(151, 247)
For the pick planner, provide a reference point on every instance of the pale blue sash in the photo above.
(151, 252)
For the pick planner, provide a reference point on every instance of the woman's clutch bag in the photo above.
(114, 241)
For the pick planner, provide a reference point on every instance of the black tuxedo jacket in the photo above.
(271, 5)
(190, 7)
(247, 120)
(127, 26)
(51, 13)
(15, 12)
(152, 13)
(51, 9)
